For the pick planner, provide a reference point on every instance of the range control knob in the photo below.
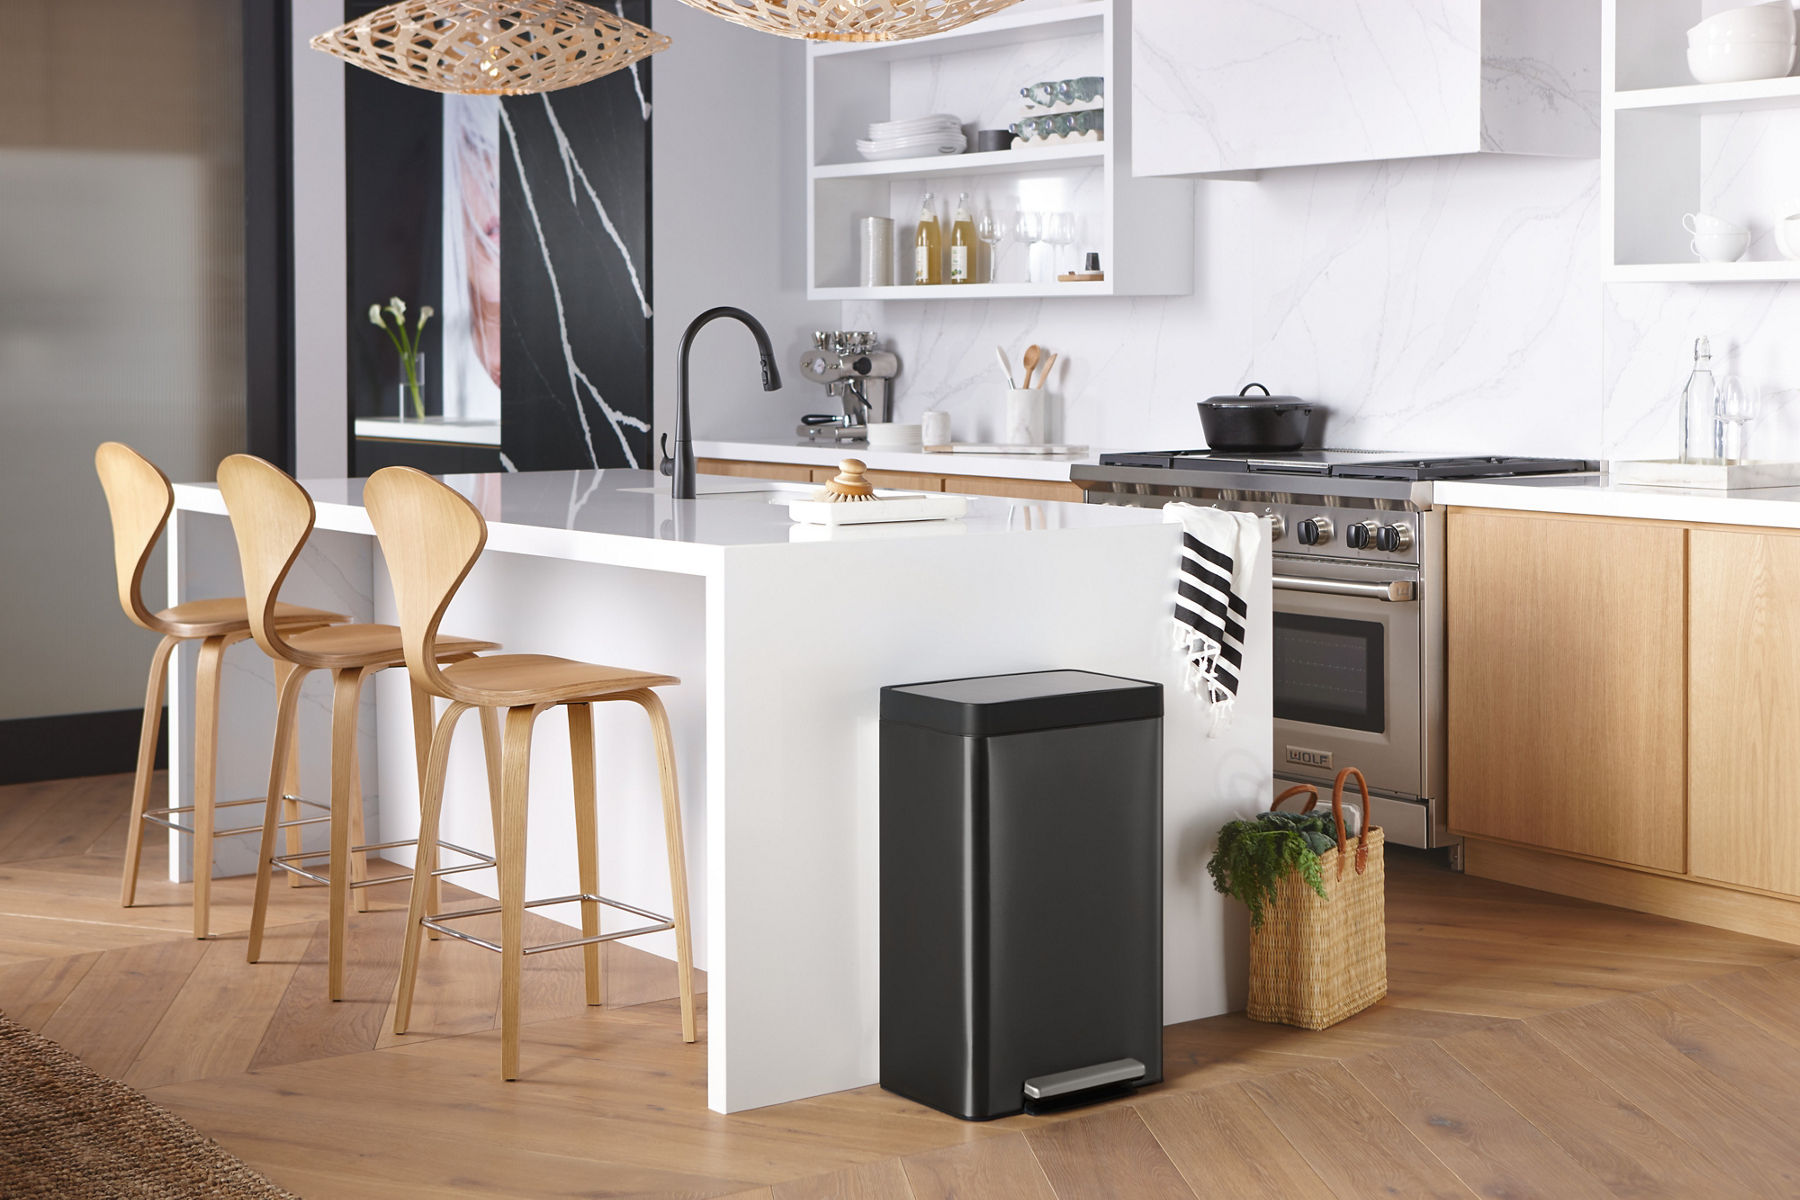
(1393, 539)
(1315, 531)
(1363, 535)
(1277, 527)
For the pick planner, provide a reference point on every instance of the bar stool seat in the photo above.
(363, 645)
(230, 614)
(139, 499)
(512, 679)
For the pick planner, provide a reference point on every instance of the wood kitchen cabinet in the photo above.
(1564, 640)
(1235, 85)
(972, 485)
(1743, 700)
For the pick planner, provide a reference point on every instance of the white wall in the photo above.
(321, 402)
(728, 219)
(1446, 303)
(1443, 304)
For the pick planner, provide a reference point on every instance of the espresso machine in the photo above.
(854, 369)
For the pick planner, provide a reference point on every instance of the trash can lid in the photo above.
(985, 705)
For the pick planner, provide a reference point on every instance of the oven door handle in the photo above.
(1397, 591)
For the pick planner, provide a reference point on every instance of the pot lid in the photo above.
(1245, 400)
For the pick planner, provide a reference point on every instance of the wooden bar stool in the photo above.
(140, 499)
(431, 538)
(272, 517)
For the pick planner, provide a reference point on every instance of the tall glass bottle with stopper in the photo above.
(963, 246)
(1699, 407)
(928, 244)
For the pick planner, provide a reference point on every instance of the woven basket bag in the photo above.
(1315, 961)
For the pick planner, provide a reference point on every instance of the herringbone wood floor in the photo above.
(1530, 1046)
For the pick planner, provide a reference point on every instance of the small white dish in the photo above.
(895, 435)
(1738, 62)
(1720, 247)
(913, 126)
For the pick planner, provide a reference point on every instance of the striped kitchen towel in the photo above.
(1218, 556)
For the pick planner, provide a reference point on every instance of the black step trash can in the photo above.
(1021, 890)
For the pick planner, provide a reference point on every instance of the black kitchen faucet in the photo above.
(679, 466)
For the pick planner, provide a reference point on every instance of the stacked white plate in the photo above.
(920, 137)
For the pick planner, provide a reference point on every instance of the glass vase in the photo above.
(404, 390)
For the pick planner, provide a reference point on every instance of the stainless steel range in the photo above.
(1358, 553)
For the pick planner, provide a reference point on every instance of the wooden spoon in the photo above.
(1033, 355)
(1049, 365)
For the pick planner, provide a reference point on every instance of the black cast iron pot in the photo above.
(1246, 422)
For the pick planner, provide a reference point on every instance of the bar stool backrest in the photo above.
(431, 537)
(271, 516)
(140, 499)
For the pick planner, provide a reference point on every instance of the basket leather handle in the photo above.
(1337, 811)
(1313, 796)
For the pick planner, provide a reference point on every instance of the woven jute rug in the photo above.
(69, 1133)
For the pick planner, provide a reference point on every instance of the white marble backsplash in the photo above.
(1445, 303)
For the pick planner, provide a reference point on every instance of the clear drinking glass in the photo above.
(1739, 403)
(1059, 231)
(1029, 230)
(987, 232)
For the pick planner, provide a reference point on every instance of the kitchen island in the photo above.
(782, 635)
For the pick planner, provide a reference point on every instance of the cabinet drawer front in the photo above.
(786, 472)
(1744, 709)
(1566, 682)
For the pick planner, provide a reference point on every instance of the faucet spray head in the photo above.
(771, 375)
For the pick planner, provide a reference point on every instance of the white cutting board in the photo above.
(901, 506)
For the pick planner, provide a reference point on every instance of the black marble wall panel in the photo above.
(575, 273)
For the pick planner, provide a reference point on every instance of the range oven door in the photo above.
(1347, 656)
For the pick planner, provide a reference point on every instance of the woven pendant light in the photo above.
(491, 47)
(851, 20)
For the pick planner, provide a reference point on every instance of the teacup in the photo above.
(1702, 224)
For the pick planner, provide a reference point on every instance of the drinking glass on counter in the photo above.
(1739, 403)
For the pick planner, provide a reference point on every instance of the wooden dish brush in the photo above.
(848, 484)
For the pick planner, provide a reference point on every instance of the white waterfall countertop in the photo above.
(783, 636)
(1596, 495)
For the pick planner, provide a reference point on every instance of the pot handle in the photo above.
(1245, 390)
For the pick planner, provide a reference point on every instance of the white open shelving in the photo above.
(1670, 146)
(1141, 228)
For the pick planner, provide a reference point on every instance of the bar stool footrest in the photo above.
(161, 816)
(436, 921)
(291, 862)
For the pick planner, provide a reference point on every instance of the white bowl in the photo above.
(1757, 20)
(1735, 62)
(1720, 247)
(1787, 237)
(1697, 38)
(1776, 17)
(891, 434)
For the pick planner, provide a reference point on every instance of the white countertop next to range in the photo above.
(1595, 495)
(1052, 467)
